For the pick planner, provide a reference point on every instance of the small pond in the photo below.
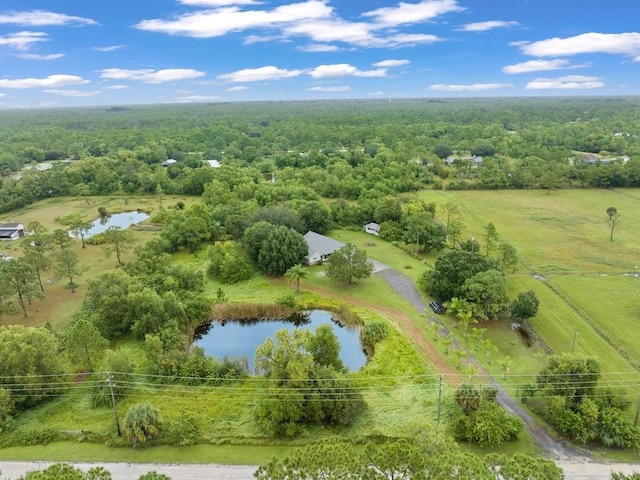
(240, 339)
(123, 220)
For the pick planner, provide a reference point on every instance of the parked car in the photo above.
(436, 307)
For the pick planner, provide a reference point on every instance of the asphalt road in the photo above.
(132, 471)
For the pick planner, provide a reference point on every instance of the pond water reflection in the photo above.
(122, 220)
(240, 339)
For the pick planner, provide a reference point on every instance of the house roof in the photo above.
(373, 226)
(11, 226)
(320, 243)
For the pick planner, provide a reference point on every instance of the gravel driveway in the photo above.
(555, 449)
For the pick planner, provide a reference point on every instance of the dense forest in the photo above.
(337, 149)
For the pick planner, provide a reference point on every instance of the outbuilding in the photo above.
(11, 231)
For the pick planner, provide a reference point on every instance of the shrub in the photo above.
(373, 333)
(183, 431)
(142, 423)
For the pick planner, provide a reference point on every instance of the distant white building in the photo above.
(373, 228)
(213, 163)
(168, 163)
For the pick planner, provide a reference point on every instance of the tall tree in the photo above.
(21, 280)
(36, 249)
(613, 219)
(349, 263)
(118, 241)
(490, 238)
(281, 249)
(295, 274)
(78, 225)
(83, 343)
(487, 291)
(68, 265)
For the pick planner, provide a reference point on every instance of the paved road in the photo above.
(132, 471)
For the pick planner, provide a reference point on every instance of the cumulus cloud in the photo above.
(71, 93)
(220, 21)
(35, 56)
(109, 48)
(38, 18)
(318, 47)
(391, 63)
(314, 19)
(336, 89)
(151, 76)
(536, 66)
(613, 43)
(411, 13)
(343, 70)
(22, 40)
(52, 81)
(238, 88)
(484, 26)
(117, 87)
(569, 82)
(475, 87)
(260, 74)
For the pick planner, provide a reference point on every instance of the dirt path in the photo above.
(556, 449)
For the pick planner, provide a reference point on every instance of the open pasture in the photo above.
(565, 231)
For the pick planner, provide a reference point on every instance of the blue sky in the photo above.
(115, 52)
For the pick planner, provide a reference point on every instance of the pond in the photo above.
(123, 220)
(240, 339)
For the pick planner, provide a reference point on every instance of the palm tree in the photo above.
(295, 274)
(506, 365)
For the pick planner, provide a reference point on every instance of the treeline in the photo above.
(348, 150)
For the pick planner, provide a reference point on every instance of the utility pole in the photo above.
(440, 398)
(113, 400)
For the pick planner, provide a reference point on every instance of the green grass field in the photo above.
(585, 284)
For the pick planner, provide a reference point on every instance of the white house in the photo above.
(373, 228)
(320, 247)
(11, 231)
(213, 163)
(168, 163)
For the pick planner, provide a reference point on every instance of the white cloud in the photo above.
(52, 81)
(218, 3)
(220, 21)
(110, 48)
(475, 87)
(238, 88)
(570, 82)
(391, 63)
(35, 56)
(72, 93)
(151, 76)
(117, 87)
(3, 94)
(484, 26)
(338, 89)
(332, 30)
(318, 47)
(38, 18)
(251, 39)
(536, 66)
(613, 43)
(343, 70)
(408, 39)
(260, 74)
(411, 13)
(22, 40)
